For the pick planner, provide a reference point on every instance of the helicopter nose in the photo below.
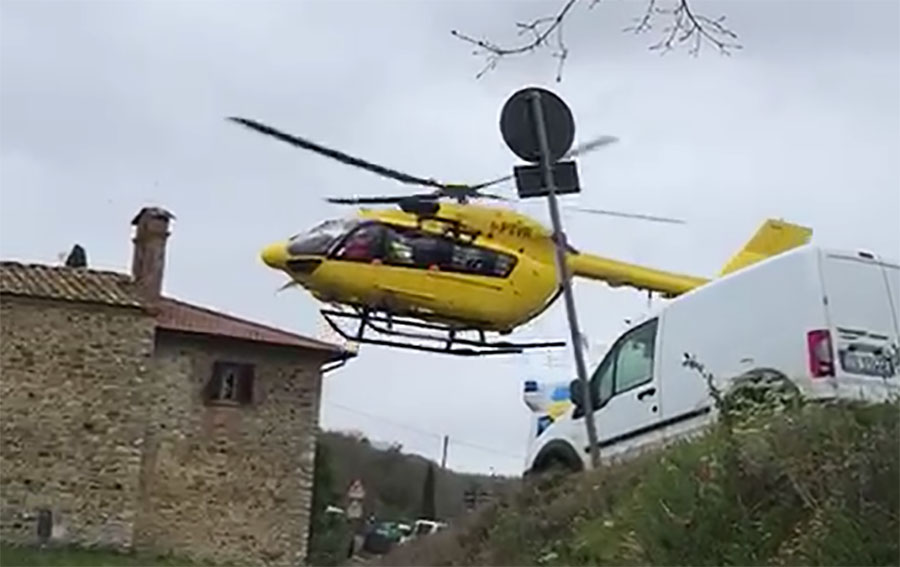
(275, 255)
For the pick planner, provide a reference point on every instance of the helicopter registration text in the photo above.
(512, 228)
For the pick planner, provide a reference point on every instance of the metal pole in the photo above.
(444, 452)
(562, 268)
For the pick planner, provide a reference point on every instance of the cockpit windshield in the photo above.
(319, 239)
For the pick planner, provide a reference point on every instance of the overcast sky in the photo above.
(109, 106)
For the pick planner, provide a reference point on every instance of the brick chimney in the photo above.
(149, 260)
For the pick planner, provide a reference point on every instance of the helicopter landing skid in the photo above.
(444, 335)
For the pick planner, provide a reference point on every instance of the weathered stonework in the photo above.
(229, 483)
(105, 418)
(72, 401)
(107, 427)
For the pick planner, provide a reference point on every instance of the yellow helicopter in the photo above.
(437, 267)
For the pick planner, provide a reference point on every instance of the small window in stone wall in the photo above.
(231, 383)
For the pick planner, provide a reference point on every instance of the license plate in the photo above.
(867, 363)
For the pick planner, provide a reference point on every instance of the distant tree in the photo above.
(393, 479)
(328, 534)
(323, 479)
(428, 495)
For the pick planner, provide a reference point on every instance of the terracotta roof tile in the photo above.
(176, 315)
(68, 284)
(118, 289)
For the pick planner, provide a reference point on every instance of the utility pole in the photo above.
(562, 267)
(525, 129)
(444, 452)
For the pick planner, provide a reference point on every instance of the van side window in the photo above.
(628, 364)
(634, 359)
(603, 379)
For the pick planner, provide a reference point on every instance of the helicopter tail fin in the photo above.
(771, 239)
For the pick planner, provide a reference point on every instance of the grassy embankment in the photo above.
(771, 484)
(15, 556)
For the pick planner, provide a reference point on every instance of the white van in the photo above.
(825, 319)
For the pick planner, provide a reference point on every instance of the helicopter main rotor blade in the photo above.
(335, 154)
(492, 182)
(578, 150)
(377, 200)
(590, 146)
(627, 215)
(493, 196)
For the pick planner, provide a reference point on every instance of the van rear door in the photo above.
(862, 315)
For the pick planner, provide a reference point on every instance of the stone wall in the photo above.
(71, 419)
(229, 483)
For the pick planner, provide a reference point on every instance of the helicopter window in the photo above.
(363, 245)
(399, 248)
(481, 261)
(431, 251)
(320, 238)
(422, 250)
(416, 249)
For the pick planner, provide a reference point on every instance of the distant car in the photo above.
(427, 527)
(822, 321)
(382, 537)
(405, 532)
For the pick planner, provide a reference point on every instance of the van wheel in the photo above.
(554, 464)
(762, 390)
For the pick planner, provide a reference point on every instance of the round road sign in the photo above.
(518, 128)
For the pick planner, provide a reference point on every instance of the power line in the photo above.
(384, 419)
(425, 432)
(489, 449)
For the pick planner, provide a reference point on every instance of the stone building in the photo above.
(130, 419)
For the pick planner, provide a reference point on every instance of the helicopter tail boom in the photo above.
(772, 238)
(617, 273)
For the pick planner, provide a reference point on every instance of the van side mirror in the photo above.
(576, 394)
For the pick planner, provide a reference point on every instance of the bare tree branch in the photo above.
(687, 27)
(541, 29)
(684, 27)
